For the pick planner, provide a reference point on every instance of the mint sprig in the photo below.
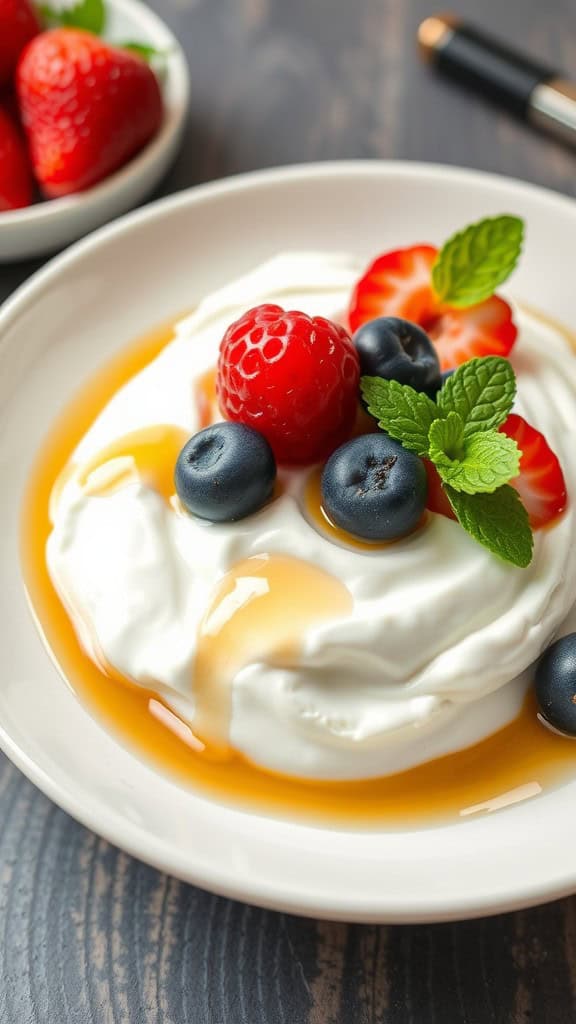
(88, 14)
(405, 414)
(473, 262)
(498, 521)
(446, 440)
(486, 461)
(482, 392)
(477, 398)
(459, 434)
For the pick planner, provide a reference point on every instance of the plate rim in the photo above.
(245, 180)
(135, 840)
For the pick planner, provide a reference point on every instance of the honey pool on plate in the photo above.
(520, 761)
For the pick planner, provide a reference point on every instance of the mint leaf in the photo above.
(88, 14)
(472, 263)
(405, 414)
(481, 391)
(446, 440)
(498, 521)
(487, 461)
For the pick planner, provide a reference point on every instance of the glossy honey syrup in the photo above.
(516, 763)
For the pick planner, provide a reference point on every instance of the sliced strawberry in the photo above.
(541, 483)
(399, 283)
(483, 330)
(437, 500)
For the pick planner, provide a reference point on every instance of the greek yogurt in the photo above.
(431, 654)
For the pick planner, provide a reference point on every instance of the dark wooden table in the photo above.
(91, 936)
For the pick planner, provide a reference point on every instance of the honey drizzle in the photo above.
(206, 398)
(260, 610)
(515, 763)
(318, 516)
(148, 454)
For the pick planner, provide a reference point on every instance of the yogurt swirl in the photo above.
(430, 654)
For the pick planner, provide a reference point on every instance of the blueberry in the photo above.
(398, 350)
(372, 487)
(225, 472)
(556, 684)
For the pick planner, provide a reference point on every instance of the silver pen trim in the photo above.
(552, 107)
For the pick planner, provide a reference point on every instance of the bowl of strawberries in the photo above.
(93, 99)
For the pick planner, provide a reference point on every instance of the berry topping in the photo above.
(398, 350)
(397, 283)
(373, 488)
(556, 684)
(448, 292)
(400, 284)
(466, 455)
(15, 173)
(87, 107)
(225, 472)
(293, 377)
(541, 483)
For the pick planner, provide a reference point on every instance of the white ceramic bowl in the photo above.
(51, 225)
(53, 333)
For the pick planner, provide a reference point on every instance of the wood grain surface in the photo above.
(90, 936)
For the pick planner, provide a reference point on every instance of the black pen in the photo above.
(533, 91)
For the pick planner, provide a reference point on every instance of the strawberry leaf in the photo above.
(88, 14)
(472, 263)
(143, 50)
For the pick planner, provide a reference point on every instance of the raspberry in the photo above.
(292, 377)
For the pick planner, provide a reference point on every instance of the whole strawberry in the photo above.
(18, 25)
(15, 175)
(87, 107)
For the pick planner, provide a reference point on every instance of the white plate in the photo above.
(46, 227)
(62, 325)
